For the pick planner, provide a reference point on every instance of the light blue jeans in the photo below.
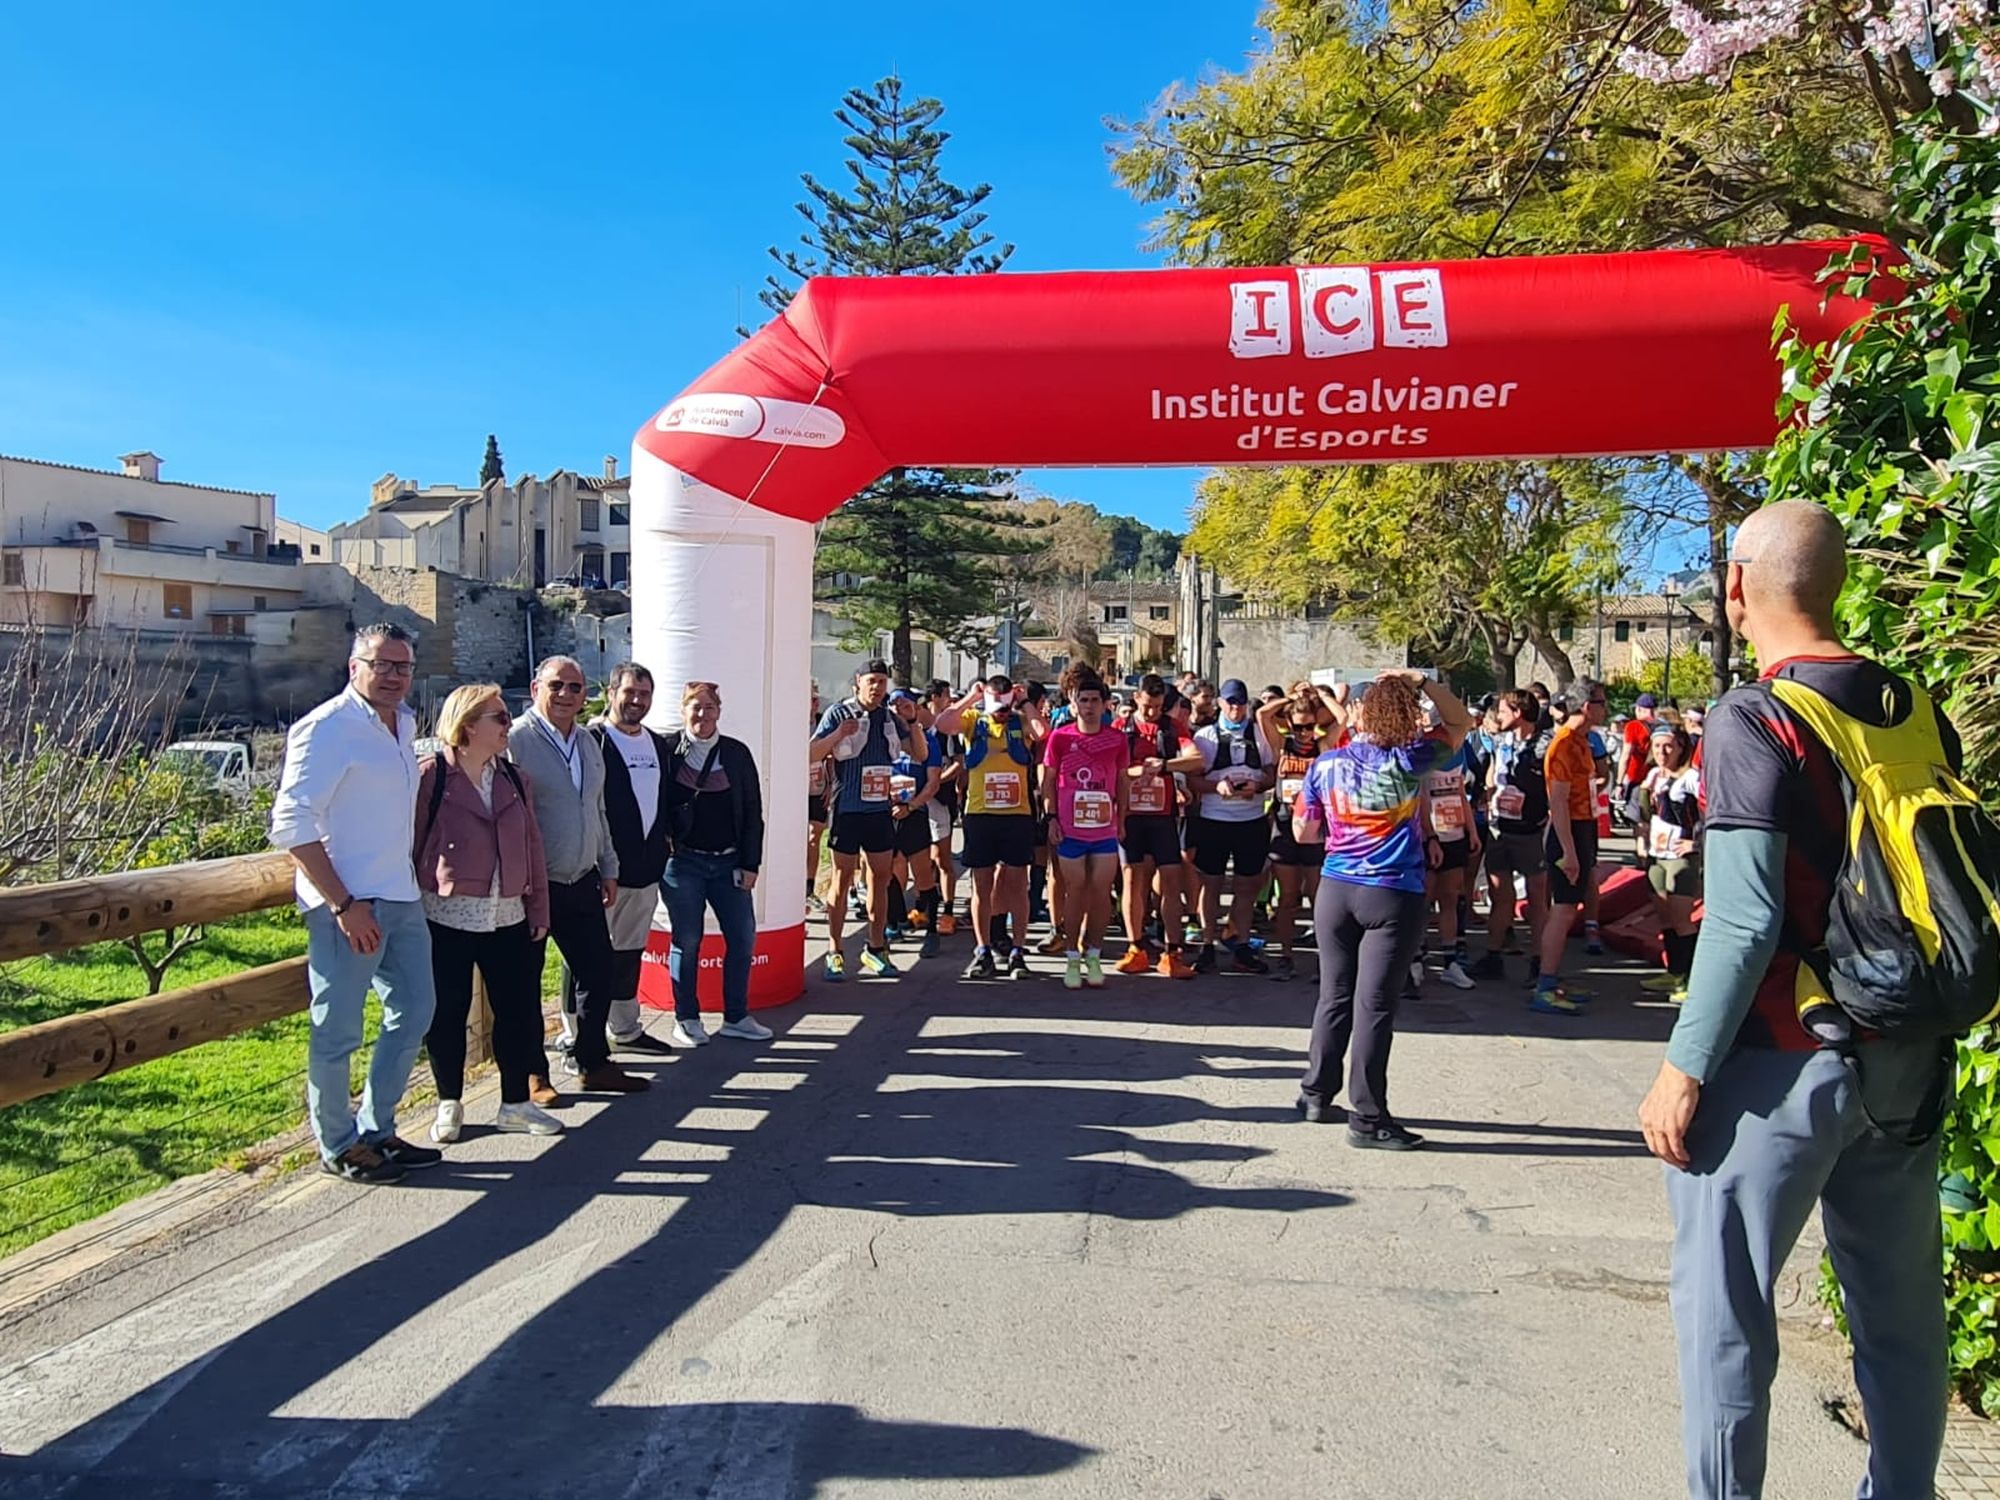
(1774, 1134)
(400, 971)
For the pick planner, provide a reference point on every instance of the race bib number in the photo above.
(816, 778)
(902, 788)
(1091, 812)
(875, 782)
(1661, 838)
(1289, 789)
(1509, 802)
(1448, 818)
(1003, 791)
(1149, 795)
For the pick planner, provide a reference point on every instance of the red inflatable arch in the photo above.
(1570, 356)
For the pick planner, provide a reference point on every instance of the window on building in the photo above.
(1641, 625)
(1622, 631)
(225, 624)
(12, 572)
(1566, 633)
(259, 602)
(621, 515)
(315, 549)
(1059, 663)
(589, 508)
(232, 545)
(1159, 611)
(177, 601)
(139, 533)
(621, 569)
(1114, 612)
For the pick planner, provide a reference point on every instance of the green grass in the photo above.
(70, 1156)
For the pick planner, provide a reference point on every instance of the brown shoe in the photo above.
(612, 1079)
(542, 1093)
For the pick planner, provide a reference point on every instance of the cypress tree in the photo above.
(489, 468)
(921, 548)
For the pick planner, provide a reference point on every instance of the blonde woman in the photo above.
(485, 891)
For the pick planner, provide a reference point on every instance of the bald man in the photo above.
(1756, 1120)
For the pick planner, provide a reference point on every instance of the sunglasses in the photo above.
(557, 686)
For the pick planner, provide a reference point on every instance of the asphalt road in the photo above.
(943, 1239)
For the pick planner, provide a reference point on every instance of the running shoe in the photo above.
(1456, 977)
(1093, 971)
(1283, 970)
(1387, 1137)
(1662, 983)
(1204, 961)
(1054, 946)
(748, 1029)
(1017, 965)
(947, 924)
(1554, 1002)
(836, 966)
(1248, 961)
(1174, 966)
(876, 961)
(892, 933)
(1488, 966)
(1136, 961)
(1593, 939)
(982, 966)
(1073, 972)
(929, 947)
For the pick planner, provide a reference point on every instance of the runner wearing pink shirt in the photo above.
(1083, 779)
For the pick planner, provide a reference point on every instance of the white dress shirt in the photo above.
(351, 784)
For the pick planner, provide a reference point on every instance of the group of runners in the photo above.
(1172, 810)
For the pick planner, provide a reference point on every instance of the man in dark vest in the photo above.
(633, 758)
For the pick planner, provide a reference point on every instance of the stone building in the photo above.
(569, 527)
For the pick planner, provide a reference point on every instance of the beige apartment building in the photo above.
(129, 550)
(568, 527)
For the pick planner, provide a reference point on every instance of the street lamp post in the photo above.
(1671, 591)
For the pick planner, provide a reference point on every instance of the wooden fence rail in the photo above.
(46, 919)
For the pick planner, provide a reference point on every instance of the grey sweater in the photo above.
(575, 831)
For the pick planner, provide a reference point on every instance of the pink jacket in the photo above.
(456, 854)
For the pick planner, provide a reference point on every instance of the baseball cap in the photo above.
(902, 695)
(1233, 691)
(1647, 700)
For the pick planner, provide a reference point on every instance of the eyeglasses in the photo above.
(497, 716)
(554, 685)
(386, 667)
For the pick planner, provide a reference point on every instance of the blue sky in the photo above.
(289, 249)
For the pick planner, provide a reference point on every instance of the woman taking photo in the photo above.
(1669, 800)
(485, 890)
(715, 809)
(1364, 801)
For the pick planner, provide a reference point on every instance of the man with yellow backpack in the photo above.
(1852, 931)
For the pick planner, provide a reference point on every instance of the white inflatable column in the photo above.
(723, 593)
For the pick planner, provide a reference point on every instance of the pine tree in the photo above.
(490, 468)
(921, 548)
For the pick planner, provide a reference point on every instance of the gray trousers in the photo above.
(1775, 1133)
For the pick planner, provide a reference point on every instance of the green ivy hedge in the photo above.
(1895, 432)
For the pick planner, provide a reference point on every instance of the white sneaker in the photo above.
(526, 1118)
(570, 1069)
(690, 1033)
(747, 1029)
(1417, 974)
(451, 1117)
(1454, 974)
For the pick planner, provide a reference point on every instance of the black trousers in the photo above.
(1368, 936)
(506, 961)
(581, 931)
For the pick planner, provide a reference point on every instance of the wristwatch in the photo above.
(341, 910)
